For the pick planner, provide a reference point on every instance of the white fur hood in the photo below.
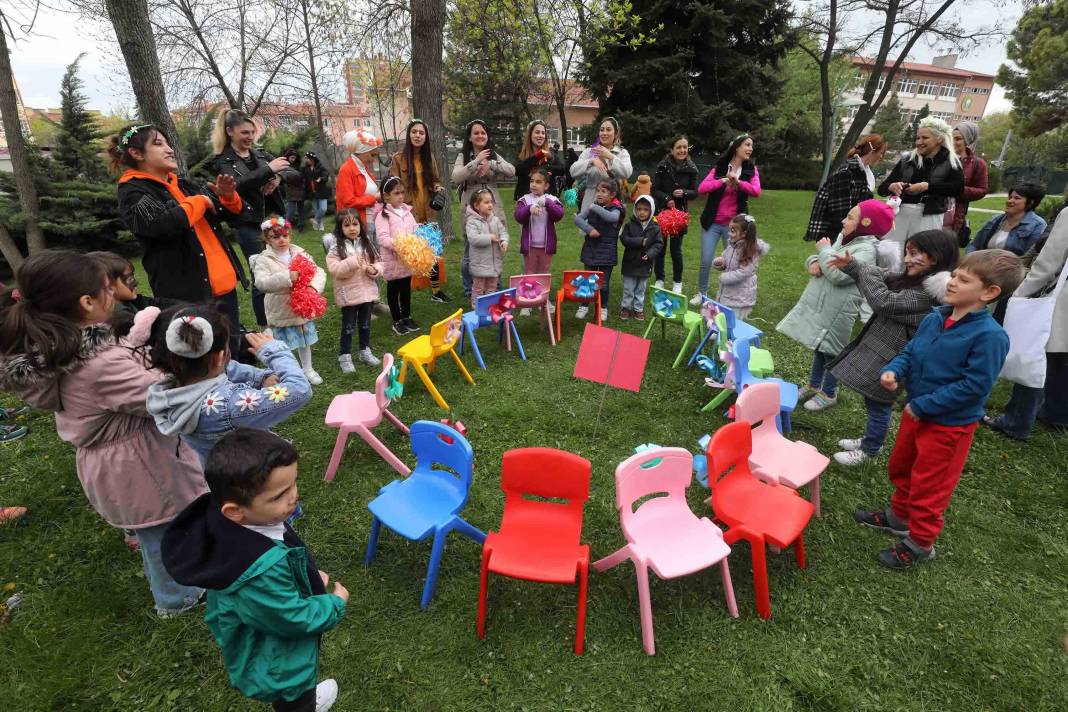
(935, 285)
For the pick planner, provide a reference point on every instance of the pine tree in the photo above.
(711, 72)
(77, 147)
(909, 136)
(888, 123)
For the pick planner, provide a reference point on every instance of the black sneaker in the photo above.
(440, 297)
(400, 327)
(904, 555)
(410, 325)
(880, 520)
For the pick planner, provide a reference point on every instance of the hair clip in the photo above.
(749, 218)
(16, 295)
(535, 121)
(740, 137)
(129, 133)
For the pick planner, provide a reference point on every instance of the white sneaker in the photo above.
(677, 288)
(820, 401)
(525, 311)
(365, 356)
(849, 444)
(851, 457)
(604, 315)
(697, 299)
(325, 695)
(314, 378)
(345, 361)
(582, 311)
(659, 284)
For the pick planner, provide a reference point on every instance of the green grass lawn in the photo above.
(981, 628)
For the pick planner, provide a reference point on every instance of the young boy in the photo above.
(642, 242)
(949, 369)
(267, 601)
(124, 283)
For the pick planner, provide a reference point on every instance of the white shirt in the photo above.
(372, 184)
(868, 175)
(284, 257)
(998, 243)
(271, 531)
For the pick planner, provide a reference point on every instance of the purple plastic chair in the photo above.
(663, 533)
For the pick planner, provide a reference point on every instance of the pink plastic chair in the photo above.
(663, 533)
(360, 411)
(532, 292)
(776, 459)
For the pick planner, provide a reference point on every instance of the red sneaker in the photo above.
(640, 316)
(624, 314)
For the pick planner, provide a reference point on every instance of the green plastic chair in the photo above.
(670, 307)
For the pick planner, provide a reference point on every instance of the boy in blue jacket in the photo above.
(949, 369)
(267, 600)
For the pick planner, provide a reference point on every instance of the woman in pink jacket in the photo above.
(394, 217)
(353, 261)
(60, 355)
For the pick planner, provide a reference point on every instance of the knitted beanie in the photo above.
(876, 218)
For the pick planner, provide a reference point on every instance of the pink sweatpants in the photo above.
(537, 261)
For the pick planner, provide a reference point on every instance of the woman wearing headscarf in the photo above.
(965, 134)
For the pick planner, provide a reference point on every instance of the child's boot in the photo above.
(345, 361)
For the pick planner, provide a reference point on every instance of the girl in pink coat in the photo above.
(353, 260)
(394, 217)
(60, 355)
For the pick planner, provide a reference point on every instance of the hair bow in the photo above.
(453, 331)
(458, 426)
(665, 305)
(586, 286)
(529, 289)
(502, 310)
(394, 389)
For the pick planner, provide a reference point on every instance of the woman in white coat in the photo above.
(606, 158)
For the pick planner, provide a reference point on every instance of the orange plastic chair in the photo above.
(532, 292)
(776, 459)
(423, 351)
(753, 510)
(357, 413)
(566, 293)
(539, 540)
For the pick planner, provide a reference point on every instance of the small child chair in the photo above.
(670, 307)
(663, 533)
(576, 284)
(493, 309)
(761, 513)
(424, 351)
(360, 411)
(532, 292)
(760, 361)
(776, 459)
(428, 501)
(539, 540)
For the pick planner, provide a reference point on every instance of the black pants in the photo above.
(399, 298)
(675, 245)
(227, 304)
(304, 703)
(248, 237)
(353, 317)
(606, 271)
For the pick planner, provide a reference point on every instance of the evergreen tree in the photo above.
(908, 138)
(1039, 48)
(711, 73)
(77, 146)
(888, 123)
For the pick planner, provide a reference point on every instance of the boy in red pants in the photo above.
(949, 369)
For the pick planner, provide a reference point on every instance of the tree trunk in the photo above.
(20, 153)
(10, 250)
(330, 155)
(138, 45)
(428, 30)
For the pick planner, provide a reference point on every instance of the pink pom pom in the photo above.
(672, 221)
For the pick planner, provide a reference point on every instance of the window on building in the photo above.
(944, 115)
(552, 134)
(852, 111)
(982, 90)
(366, 123)
(326, 123)
(574, 135)
(950, 91)
(882, 82)
(906, 86)
(928, 88)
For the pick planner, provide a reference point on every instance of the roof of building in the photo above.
(927, 68)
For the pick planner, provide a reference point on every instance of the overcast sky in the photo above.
(39, 61)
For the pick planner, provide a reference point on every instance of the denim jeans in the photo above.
(878, 425)
(353, 317)
(168, 594)
(1050, 402)
(634, 293)
(251, 243)
(319, 205)
(710, 239)
(822, 378)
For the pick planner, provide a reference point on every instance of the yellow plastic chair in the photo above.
(423, 351)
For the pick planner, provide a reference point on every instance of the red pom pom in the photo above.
(303, 300)
(672, 221)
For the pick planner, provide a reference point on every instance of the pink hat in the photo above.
(876, 218)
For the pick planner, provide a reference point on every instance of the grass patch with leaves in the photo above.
(980, 628)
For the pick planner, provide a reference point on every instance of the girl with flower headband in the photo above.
(205, 393)
(729, 185)
(59, 354)
(738, 264)
(275, 273)
(605, 158)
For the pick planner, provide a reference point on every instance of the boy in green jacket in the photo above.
(267, 601)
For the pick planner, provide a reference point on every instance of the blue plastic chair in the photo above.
(737, 330)
(744, 378)
(483, 315)
(429, 500)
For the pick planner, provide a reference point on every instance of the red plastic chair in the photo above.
(566, 293)
(759, 512)
(539, 540)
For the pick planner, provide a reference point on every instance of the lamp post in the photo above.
(845, 103)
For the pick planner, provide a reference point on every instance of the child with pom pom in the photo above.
(537, 212)
(277, 271)
(394, 217)
(353, 260)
